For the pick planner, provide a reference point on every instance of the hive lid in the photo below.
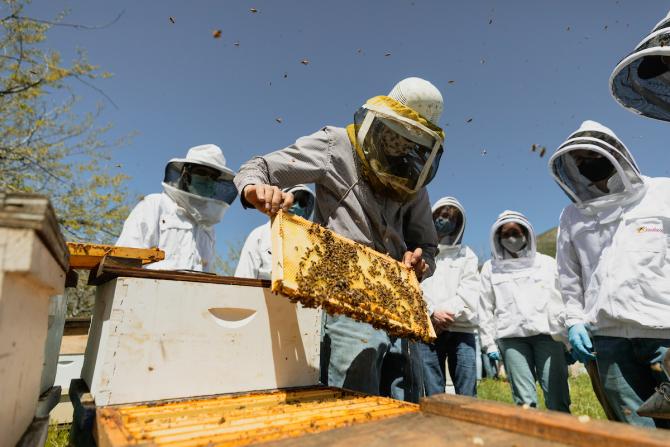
(318, 267)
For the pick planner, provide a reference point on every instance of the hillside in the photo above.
(546, 242)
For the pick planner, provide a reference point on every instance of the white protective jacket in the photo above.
(454, 286)
(157, 221)
(519, 296)
(256, 255)
(614, 254)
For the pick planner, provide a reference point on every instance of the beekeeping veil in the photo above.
(207, 197)
(641, 81)
(622, 181)
(396, 138)
(500, 256)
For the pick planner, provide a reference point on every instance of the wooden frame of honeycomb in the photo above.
(318, 267)
(241, 419)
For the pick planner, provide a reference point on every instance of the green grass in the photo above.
(58, 436)
(584, 401)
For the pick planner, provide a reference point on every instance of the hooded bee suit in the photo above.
(454, 287)
(521, 309)
(641, 81)
(256, 255)
(180, 222)
(613, 256)
(373, 192)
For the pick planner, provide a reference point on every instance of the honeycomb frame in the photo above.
(319, 268)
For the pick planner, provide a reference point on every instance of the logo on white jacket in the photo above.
(648, 229)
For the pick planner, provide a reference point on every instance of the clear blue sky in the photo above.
(530, 76)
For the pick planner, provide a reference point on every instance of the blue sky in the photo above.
(532, 75)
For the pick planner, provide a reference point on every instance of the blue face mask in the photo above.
(299, 210)
(444, 226)
(202, 186)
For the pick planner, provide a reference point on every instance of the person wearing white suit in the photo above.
(613, 254)
(452, 296)
(197, 191)
(522, 313)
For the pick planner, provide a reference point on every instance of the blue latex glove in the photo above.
(495, 355)
(582, 349)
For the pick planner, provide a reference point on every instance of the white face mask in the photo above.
(203, 210)
(513, 243)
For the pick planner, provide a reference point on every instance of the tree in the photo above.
(45, 147)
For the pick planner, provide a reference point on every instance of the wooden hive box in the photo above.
(243, 419)
(163, 335)
(317, 267)
(33, 262)
(316, 417)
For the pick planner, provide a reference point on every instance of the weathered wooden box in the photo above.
(194, 334)
(316, 417)
(33, 261)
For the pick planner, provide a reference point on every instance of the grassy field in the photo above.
(583, 402)
(583, 399)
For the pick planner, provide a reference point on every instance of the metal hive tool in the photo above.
(317, 267)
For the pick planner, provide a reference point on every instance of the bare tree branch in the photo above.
(23, 88)
(99, 90)
(69, 25)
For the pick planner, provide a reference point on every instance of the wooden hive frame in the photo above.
(318, 267)
(86, 256)
(241, 419)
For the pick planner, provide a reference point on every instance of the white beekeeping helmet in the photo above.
(421, 96)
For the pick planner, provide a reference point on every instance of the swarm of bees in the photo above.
(345, 277)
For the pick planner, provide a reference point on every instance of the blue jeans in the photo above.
(626, 375)
(358, 357)
(458, 349)
(540, 358)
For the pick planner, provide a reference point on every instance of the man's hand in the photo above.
(414, 260)
(268, 199)
(441, 321)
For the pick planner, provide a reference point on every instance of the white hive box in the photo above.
(153, 339)
(33, 261)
